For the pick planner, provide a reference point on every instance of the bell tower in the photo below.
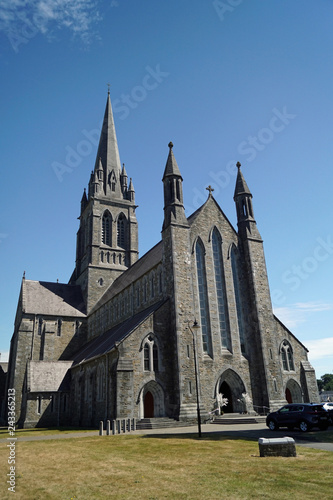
(263, 349)
(107, 239)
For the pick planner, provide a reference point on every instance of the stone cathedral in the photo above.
(118, 341)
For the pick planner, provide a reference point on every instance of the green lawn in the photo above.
(172, 466)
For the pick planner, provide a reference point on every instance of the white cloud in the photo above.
(298, 313)
(321, 348)
(23, 19)
(313, 306)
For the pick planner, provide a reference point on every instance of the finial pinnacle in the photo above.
(24, 275)
(238, 164)
(108, 88)
(210, 189)
(170, 145)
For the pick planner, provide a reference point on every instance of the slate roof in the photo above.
(138, 269)
(106, 342)
(54, 299)
(47, 376)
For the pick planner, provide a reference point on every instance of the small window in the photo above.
(107, 229)
(40, 326)
(59, 325)
(39, 405)
(121, 231)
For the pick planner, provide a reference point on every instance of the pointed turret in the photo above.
(84, 201)
(247, 226)
(171, 167)
(123, 180)
(174, 212)
(131, 192)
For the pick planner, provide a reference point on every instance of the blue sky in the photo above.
(225, 81)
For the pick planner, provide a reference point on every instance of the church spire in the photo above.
(108, 153)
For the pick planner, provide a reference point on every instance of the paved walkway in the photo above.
(237, 431)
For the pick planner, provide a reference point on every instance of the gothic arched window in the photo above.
(107, 228)
(220, 290)
(203, 298)
(287, 356)
(238, 300)
(121, 224)
(150, 355)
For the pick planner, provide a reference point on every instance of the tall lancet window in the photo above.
(107, 228)
(220, 290)
(121, 231)
(203, 298)
(238, 299)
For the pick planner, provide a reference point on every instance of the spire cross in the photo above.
(210, 189)
(108, 88)
(238, 164)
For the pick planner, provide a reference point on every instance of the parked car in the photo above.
(301, 415)
(329, 408)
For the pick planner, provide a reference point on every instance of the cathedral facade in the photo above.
(121, 339)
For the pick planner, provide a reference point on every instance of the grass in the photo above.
(164, 467)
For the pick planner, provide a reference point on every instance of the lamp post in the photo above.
(196, 326)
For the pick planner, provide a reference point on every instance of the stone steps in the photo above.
(159, 423)
(236, 418)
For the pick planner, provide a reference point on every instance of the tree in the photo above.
(325, 383)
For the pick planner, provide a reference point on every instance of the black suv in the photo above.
(302, 415)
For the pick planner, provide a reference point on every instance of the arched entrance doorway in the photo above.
(148, 405)
(231, 387)
(293, 392)
(151, 401)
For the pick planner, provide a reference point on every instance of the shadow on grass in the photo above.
(4, 430)
(250, 435)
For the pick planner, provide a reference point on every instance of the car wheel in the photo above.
(304, 426)
(272, 425)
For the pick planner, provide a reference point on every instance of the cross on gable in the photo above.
(210, 189)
